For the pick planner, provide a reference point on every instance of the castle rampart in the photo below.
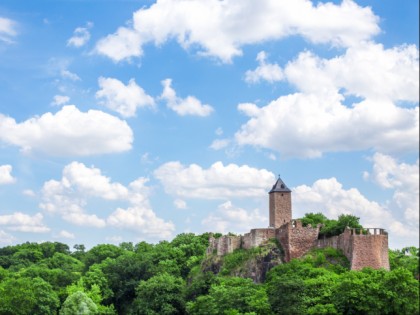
(296, 239)
(367, 247)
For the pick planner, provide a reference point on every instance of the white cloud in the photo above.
(59, 100)
(221, 28)
(22, 222)
(6, 174)
(81, 36)
(183, 106)
(367, 71)
(124, 99)
(142, 220)
(80, 185)
(69, 75)
(114, 239)
(229, 218)
(403, 178)
(306, 125)
(219, 144)
(6, 238)
(317, 118)
(65, 234)
(7, 29)
(329, 197)
(69, 132)
(216, 182)
(270, 72)
(180, 204)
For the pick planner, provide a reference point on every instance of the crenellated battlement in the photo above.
(365, 247)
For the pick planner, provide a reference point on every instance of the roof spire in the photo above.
(279, 186)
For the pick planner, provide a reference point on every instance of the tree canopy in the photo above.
(173, 278)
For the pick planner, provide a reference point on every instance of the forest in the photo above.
(177, 277)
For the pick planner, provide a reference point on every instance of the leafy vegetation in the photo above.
(171, 278)
(331, 227)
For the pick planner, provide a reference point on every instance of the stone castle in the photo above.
(367, 248)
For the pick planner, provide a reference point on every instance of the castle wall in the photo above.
(296, 239)
(362, 250)
(224, 245)
(256, 237)
(280, 208)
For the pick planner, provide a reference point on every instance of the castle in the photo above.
(367, 248)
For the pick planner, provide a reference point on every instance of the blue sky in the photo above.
(139, 120)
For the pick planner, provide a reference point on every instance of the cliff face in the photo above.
(246, 263)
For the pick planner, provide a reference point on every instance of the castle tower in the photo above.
(280, 204)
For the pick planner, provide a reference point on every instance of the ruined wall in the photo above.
(296, 239)
(280, 208)
(256, 237)
(362, 250)
(223, 245)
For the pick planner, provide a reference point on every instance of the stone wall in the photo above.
(256, 237)
(224, 245)
(368, 249)
(280, 208)
(363, 248)
(296, 239)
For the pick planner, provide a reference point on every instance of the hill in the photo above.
(178, 277)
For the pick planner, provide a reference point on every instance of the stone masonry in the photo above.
(363, 248)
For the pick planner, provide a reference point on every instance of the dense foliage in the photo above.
(168, 278)
(331, 227)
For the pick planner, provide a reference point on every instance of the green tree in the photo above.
(407, 258)
(27, 296)
(162, 294)
(232, 296)
(101, 252)
(78, 303)
(314, 219)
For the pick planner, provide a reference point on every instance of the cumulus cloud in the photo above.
(68, 132)
(65, 234)
(368, 70)
(6, 174)
(403, 178)
(22, 222)
(221, 28)
(219, 144)
(229, 218)
(306, 125)
(183, 106)
(6, 238)
(59, 100)
(143, 220)
(80, 185)
(7, 30)
(329, 197)
(81, 36)
(124, 99)
(216, 182)
(317, 119)
(270, 72)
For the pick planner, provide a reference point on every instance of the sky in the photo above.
(129, 121)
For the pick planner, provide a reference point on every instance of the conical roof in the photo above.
(279, 186)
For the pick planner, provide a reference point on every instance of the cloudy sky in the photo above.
(138, 120)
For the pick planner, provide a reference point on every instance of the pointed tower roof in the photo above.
(279, 186)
